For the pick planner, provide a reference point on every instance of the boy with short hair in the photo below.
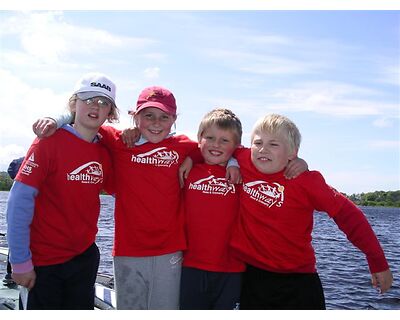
(211, 276)
(273, 235)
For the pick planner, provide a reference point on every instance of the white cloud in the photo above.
(155, 56)
(334, 98)
(45, 37)
(385, 144)
(152, 73)
(9, 153)
(21, 106)
(269, 39)
(391, 75)
(383, 122)
(262, 64)
(362, 181)
(253, 52)
(329, 98)
(204, 5)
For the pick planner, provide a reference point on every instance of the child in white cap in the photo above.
(54, 204)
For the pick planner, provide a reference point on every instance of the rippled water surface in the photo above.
(342, 268)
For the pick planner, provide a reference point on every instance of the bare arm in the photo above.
(26, 279)
(233, 175)
(184, 170)
(130, 136)
(295, 168)
(44, 127)
(382, 280)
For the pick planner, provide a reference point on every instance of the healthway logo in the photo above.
(269, 194)
(212, 185)
(91, 172)
(159, 157)
(29, 165)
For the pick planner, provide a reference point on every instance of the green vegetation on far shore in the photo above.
(377, 199)
(370, 199)
(5, 181)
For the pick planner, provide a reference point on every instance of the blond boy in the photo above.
(273, 235)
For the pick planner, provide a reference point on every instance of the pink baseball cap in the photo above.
(157, 97)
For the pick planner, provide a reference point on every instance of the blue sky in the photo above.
(336, 74)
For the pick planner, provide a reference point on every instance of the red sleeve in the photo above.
(37, 162)
(109, 136)
(239, 150)
(196, 156)
(354, 224)
(109, 184)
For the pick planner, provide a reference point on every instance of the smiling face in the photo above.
(154, 124)
(217, 145)
(270, 153)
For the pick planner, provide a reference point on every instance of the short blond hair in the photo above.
(224, 119)
(278, 124)
(113, 116)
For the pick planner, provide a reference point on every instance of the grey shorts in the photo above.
(148, 283)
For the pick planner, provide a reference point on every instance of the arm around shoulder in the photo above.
(45, 127)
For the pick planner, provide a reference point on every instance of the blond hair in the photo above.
(224, 119)
(281, 125)
(113, 116)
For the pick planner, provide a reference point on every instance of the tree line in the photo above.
(377, 198)
(5, 181)
(369, 199)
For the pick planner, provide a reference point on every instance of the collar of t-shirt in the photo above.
(72, 130)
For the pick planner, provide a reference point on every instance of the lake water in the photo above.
(342, 268)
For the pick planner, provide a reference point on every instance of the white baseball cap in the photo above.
(95, 85)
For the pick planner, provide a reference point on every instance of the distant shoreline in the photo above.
(389, 199)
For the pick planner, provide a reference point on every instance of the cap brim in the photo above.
(92, 94)
(155, 104)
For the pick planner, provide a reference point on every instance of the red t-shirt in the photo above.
(211, 208)
(276, 220)
(69, 174)
(148, 210)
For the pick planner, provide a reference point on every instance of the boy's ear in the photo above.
(72, 107)
(293, 154)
